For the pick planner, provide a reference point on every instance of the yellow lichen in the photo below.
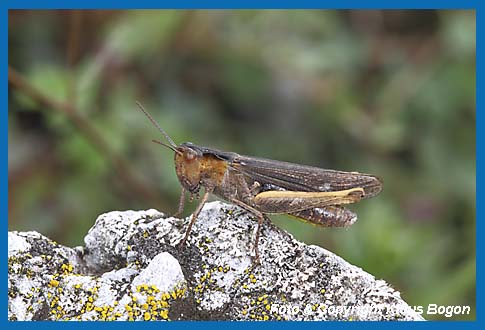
(54, 283)
(164, 314)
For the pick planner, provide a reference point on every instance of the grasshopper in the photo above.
(264, 186)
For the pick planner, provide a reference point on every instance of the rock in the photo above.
(131, 269)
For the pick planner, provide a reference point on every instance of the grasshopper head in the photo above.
(188, 166)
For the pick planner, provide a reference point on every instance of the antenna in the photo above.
(172, 146)
(168, 146)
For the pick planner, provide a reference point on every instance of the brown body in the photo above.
(264, 186)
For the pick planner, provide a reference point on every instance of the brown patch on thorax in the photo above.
(212, 169)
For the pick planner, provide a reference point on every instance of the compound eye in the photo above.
(190, 155)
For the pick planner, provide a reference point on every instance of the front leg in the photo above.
(181, 203)
(194, 216)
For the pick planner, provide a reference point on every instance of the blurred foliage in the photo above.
(386, 92)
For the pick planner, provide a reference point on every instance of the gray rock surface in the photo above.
(130, 269)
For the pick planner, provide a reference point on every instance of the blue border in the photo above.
(238, 4)
(234, 4)
(480, 135)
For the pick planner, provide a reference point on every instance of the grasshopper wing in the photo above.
(294, 177)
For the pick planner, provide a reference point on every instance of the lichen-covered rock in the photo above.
(131, 269)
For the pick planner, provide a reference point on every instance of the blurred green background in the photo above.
(385, 92)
